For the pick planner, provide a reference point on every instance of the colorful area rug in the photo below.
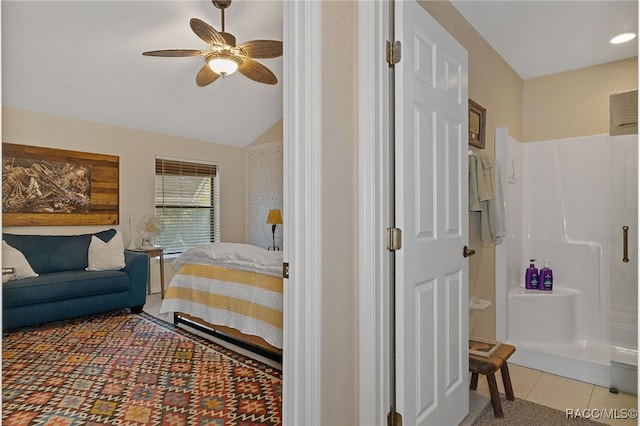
(126, 369)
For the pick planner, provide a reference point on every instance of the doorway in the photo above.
(379, 360)
(303, 184)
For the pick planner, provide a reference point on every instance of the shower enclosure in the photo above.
(573, 202)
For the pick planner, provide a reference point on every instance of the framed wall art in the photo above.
(48, 187)
(477, 122)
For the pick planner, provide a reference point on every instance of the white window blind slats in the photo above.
(187, 201)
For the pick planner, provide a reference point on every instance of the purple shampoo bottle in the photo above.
(546, 277)
(531, 277)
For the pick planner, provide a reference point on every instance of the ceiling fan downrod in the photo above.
(222, 5)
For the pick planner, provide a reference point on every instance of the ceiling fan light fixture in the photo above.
(623, 37)
(222, 64)
(223, 57)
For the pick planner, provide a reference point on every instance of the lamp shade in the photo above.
(223, 63)
(274, 217)
(223, 66)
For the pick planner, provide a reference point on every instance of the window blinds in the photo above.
(187, 201)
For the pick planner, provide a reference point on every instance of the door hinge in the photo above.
(394, 418)
(393, 52)
(285, 270)
(394, 239)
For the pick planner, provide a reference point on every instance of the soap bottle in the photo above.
(531, 276)
(546, 277)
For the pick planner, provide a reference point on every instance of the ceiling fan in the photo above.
(223, 57)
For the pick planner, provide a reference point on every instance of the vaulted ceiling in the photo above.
(83, 59)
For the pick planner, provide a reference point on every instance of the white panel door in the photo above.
(431, 209)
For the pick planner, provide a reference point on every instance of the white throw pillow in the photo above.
(13, 258)
(107, 256)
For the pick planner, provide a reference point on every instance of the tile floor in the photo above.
(531, 385)
(555, 392)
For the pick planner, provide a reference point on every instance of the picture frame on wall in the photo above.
(477, 123)
(55, 187)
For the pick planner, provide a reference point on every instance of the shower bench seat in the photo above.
(488, 366)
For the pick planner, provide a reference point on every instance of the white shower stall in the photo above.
(573, 202)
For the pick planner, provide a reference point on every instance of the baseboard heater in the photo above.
(177, 319)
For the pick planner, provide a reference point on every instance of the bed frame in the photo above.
(254, 344)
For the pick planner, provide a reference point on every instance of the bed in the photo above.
(233, 291)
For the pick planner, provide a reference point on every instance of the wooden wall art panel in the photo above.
(48, 187)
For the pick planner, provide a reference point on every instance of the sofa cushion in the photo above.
(54, 253)
(13, 258)
(63, 285)
(107, 256)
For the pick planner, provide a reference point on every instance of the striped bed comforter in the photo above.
(248, 301)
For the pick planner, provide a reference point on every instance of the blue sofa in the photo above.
(64, 289)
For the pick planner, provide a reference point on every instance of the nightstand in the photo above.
(153, 252)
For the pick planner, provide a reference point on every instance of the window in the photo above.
(187, 202)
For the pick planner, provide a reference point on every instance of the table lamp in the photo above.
(274, 218)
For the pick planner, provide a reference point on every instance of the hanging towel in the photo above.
(486, 188)
(488, 223)
(474, 199)
(482, 195)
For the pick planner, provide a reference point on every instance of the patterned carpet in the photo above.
(126, 369)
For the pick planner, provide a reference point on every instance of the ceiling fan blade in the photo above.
(256, 71)
(174, 53)
(206, 76)
(207, 33)
(262, 49)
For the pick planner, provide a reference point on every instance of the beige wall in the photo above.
(339, 210)
(498, 88)
(574, 103)
(137, 151)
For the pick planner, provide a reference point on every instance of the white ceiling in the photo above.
(539, 38)
(82, 59)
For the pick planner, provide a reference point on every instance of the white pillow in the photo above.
(107, 256)
(13, 258)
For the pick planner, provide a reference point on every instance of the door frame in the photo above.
(302, 115)
(374, 201)
(302, 178)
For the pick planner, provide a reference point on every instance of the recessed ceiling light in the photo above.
(623, 37)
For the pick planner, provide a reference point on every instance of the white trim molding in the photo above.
(374, 205)
(302, 206)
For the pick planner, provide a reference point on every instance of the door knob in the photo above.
(466, 252)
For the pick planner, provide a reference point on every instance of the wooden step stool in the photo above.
(488, 367)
